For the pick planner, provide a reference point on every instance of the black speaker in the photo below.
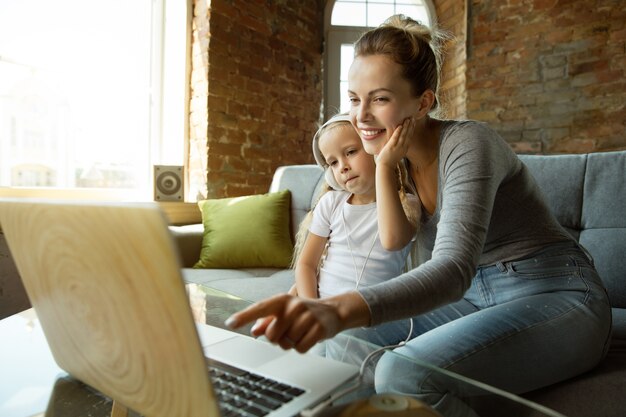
(168, 183)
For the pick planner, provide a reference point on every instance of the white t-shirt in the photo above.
(348, 249)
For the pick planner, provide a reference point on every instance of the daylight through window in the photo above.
(80, 96)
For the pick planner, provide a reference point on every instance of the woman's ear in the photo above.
(426, 102)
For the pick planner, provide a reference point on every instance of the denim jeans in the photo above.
(521, 325)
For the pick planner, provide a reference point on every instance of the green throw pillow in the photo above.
(246, 232)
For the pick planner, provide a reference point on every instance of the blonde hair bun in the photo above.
(415, 27)
(411, 44)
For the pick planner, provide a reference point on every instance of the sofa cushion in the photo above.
(604, 220)
(618, 338)
(304, 182)
(603, 244)
(594, 393)
(587, 194)
(561, 179)
(246, 232)
(188, 239)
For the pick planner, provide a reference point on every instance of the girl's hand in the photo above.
(397, 146)
(297, 323)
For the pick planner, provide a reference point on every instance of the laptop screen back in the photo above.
(104, 279)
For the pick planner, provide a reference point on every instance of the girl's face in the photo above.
(353, 168)
(380, 99)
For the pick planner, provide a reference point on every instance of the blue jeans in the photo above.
(522, 325)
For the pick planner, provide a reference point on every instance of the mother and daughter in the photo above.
(502, 294)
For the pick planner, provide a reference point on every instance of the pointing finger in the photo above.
(270, 307)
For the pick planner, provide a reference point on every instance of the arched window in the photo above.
(345, 21)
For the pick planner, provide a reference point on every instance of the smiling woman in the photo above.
(80, 98)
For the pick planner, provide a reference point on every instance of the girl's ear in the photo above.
(426, 102)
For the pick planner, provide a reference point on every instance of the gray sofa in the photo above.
(304, 182)
(588, 195)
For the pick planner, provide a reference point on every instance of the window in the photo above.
(346, 21)
(82, 94)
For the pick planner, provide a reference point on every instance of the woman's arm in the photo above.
(473, 162)
(307, 266)
(395, 229)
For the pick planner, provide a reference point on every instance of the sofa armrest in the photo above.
(188, 240)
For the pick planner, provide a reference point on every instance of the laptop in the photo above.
(106, 283)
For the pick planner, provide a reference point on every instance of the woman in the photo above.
(503, 294)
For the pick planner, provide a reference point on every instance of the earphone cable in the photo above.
(359, 380)
(358, 275)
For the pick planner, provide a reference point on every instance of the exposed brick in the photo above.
(553, 73)
(605, 89)
(576, 48)
(532, 135)
(527, 147)
(547, 74)
(618, 35)
(558, 35)
(614, 142)
(552, 86)
(592, 66)
(573, 146)
(543, 4)
(224, 149)
(216, 103)
(584, 79)
(610, 76)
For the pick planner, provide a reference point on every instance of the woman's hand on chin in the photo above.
(293, 322)
(397, 146)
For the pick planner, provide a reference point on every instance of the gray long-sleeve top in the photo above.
(489, 209)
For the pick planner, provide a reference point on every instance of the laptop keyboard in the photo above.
(243, 393)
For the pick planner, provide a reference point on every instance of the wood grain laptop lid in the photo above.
(105, 282)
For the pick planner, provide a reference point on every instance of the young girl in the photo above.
(339, 247)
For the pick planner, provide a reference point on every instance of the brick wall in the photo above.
(452, 18)
(256, 91)
(549, 74)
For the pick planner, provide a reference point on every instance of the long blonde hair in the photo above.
(412, 211)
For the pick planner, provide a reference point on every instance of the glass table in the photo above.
(31, 384)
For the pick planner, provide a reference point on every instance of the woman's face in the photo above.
(380, 99)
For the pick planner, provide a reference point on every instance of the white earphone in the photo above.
(329, 176)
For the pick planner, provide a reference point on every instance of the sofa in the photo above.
(304, 183)
(586, 192)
